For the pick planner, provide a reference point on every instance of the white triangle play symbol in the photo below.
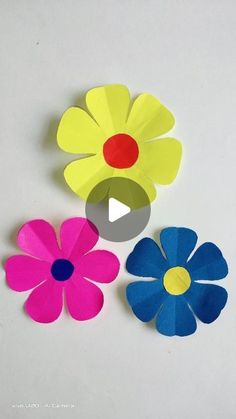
(117, 210)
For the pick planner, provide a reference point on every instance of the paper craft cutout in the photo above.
(176, 294)
(123, 142)
(56, 269)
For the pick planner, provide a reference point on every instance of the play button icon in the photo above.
(119, 208)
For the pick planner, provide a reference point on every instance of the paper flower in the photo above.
(57, 270)
(176, 295)
(123, 141)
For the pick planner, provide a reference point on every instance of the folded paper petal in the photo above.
(148, 118)
(84, 174)
(44, 304)
(61, 270)
(100, 266)
(175, 318)
(206, 300)
(178, 243)
(24, 272)
(109, 106)
(207, 263)
(145, 298)
(38, 238)
(79, 133)
(84, 299)
(136, 174)
(176, 311)
(160, 159)
(147, 260)
(78, 236)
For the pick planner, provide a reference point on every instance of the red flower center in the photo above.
(120, 151)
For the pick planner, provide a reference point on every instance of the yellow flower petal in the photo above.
(79, 133)
(148, 118)
(109, 106)
(160, 159)
(134, 173)
(84, 174)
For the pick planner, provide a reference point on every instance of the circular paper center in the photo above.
(120, 151)
(62, 269)
(177, 280)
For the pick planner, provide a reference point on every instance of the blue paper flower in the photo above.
(176, 295)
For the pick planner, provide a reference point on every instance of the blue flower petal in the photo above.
(145, 298)
(176, 318)
(206, 300)
(207, 263)
(177, 244)
(147, 260)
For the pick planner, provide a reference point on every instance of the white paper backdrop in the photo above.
(51, 53)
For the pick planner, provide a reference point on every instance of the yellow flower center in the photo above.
(177, 280)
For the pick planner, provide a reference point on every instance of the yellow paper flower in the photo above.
(123, 141)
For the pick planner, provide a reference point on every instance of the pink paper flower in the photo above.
(57, 269)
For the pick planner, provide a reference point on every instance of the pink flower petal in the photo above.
(44, 304)
(99, 265)
(38, 238)
(24, 272)
(78, 236)
(84, 299)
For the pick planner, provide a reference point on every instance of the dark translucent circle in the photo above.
(127, 192)
(62, 269)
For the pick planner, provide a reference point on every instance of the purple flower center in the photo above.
(62, 269)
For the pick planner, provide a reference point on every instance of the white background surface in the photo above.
(51, 53)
